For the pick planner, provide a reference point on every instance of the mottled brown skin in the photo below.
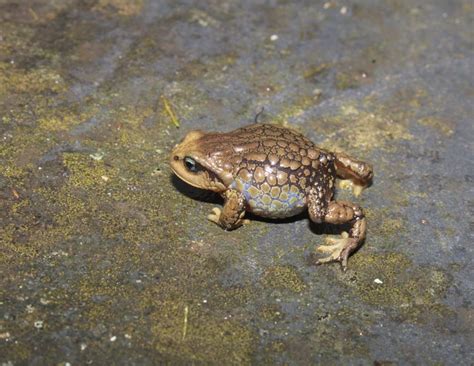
(274, 172)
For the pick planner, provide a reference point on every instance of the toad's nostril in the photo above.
(176, 157)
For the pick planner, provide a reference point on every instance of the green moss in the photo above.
(295, 109)
(18, 153)
(62, 121)
(356, 130)
(330, 342)
(18, 351)
(271, 312)
(443, 126)
(234, 296)
(315, 71)
(329, 338)
(276, 347)
(284, 278)
(87, 172)
(41, 80)
(411, 291)
(11, 249)
(207, 338)
(384, 224)
(121, 7)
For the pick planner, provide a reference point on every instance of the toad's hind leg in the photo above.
(341, 212)
(360, 174)
(232, 214)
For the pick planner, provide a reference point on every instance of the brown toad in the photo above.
(274, 172)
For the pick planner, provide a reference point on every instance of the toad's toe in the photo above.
(214, 217)
(338, 250)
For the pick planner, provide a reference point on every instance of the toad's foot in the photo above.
(340, 212)
(360, 173)
(339, 249)
(214, 217)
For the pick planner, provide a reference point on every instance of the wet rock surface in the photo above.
(107, 259)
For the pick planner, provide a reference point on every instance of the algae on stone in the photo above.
(392, 281)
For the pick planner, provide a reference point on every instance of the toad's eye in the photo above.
(191, 164)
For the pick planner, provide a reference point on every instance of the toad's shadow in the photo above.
(198, 194)
(212, 197)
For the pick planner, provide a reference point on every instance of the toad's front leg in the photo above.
(232, 214)
(340, 212)
(358, 173)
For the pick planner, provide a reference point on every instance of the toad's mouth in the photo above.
(205, 179)
(184, 179)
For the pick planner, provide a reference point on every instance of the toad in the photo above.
(275, 172)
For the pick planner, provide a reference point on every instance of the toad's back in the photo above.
(275, 168)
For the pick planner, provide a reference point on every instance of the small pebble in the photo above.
(274, 37)
(97, 156)
(378, 281)
(30, 309)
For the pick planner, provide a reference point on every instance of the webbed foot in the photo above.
(216, 215)
(339, 249)
(349, 169)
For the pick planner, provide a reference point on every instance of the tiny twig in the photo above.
(33, 14)
(15, 193)
(170, 111)
(185, 324)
